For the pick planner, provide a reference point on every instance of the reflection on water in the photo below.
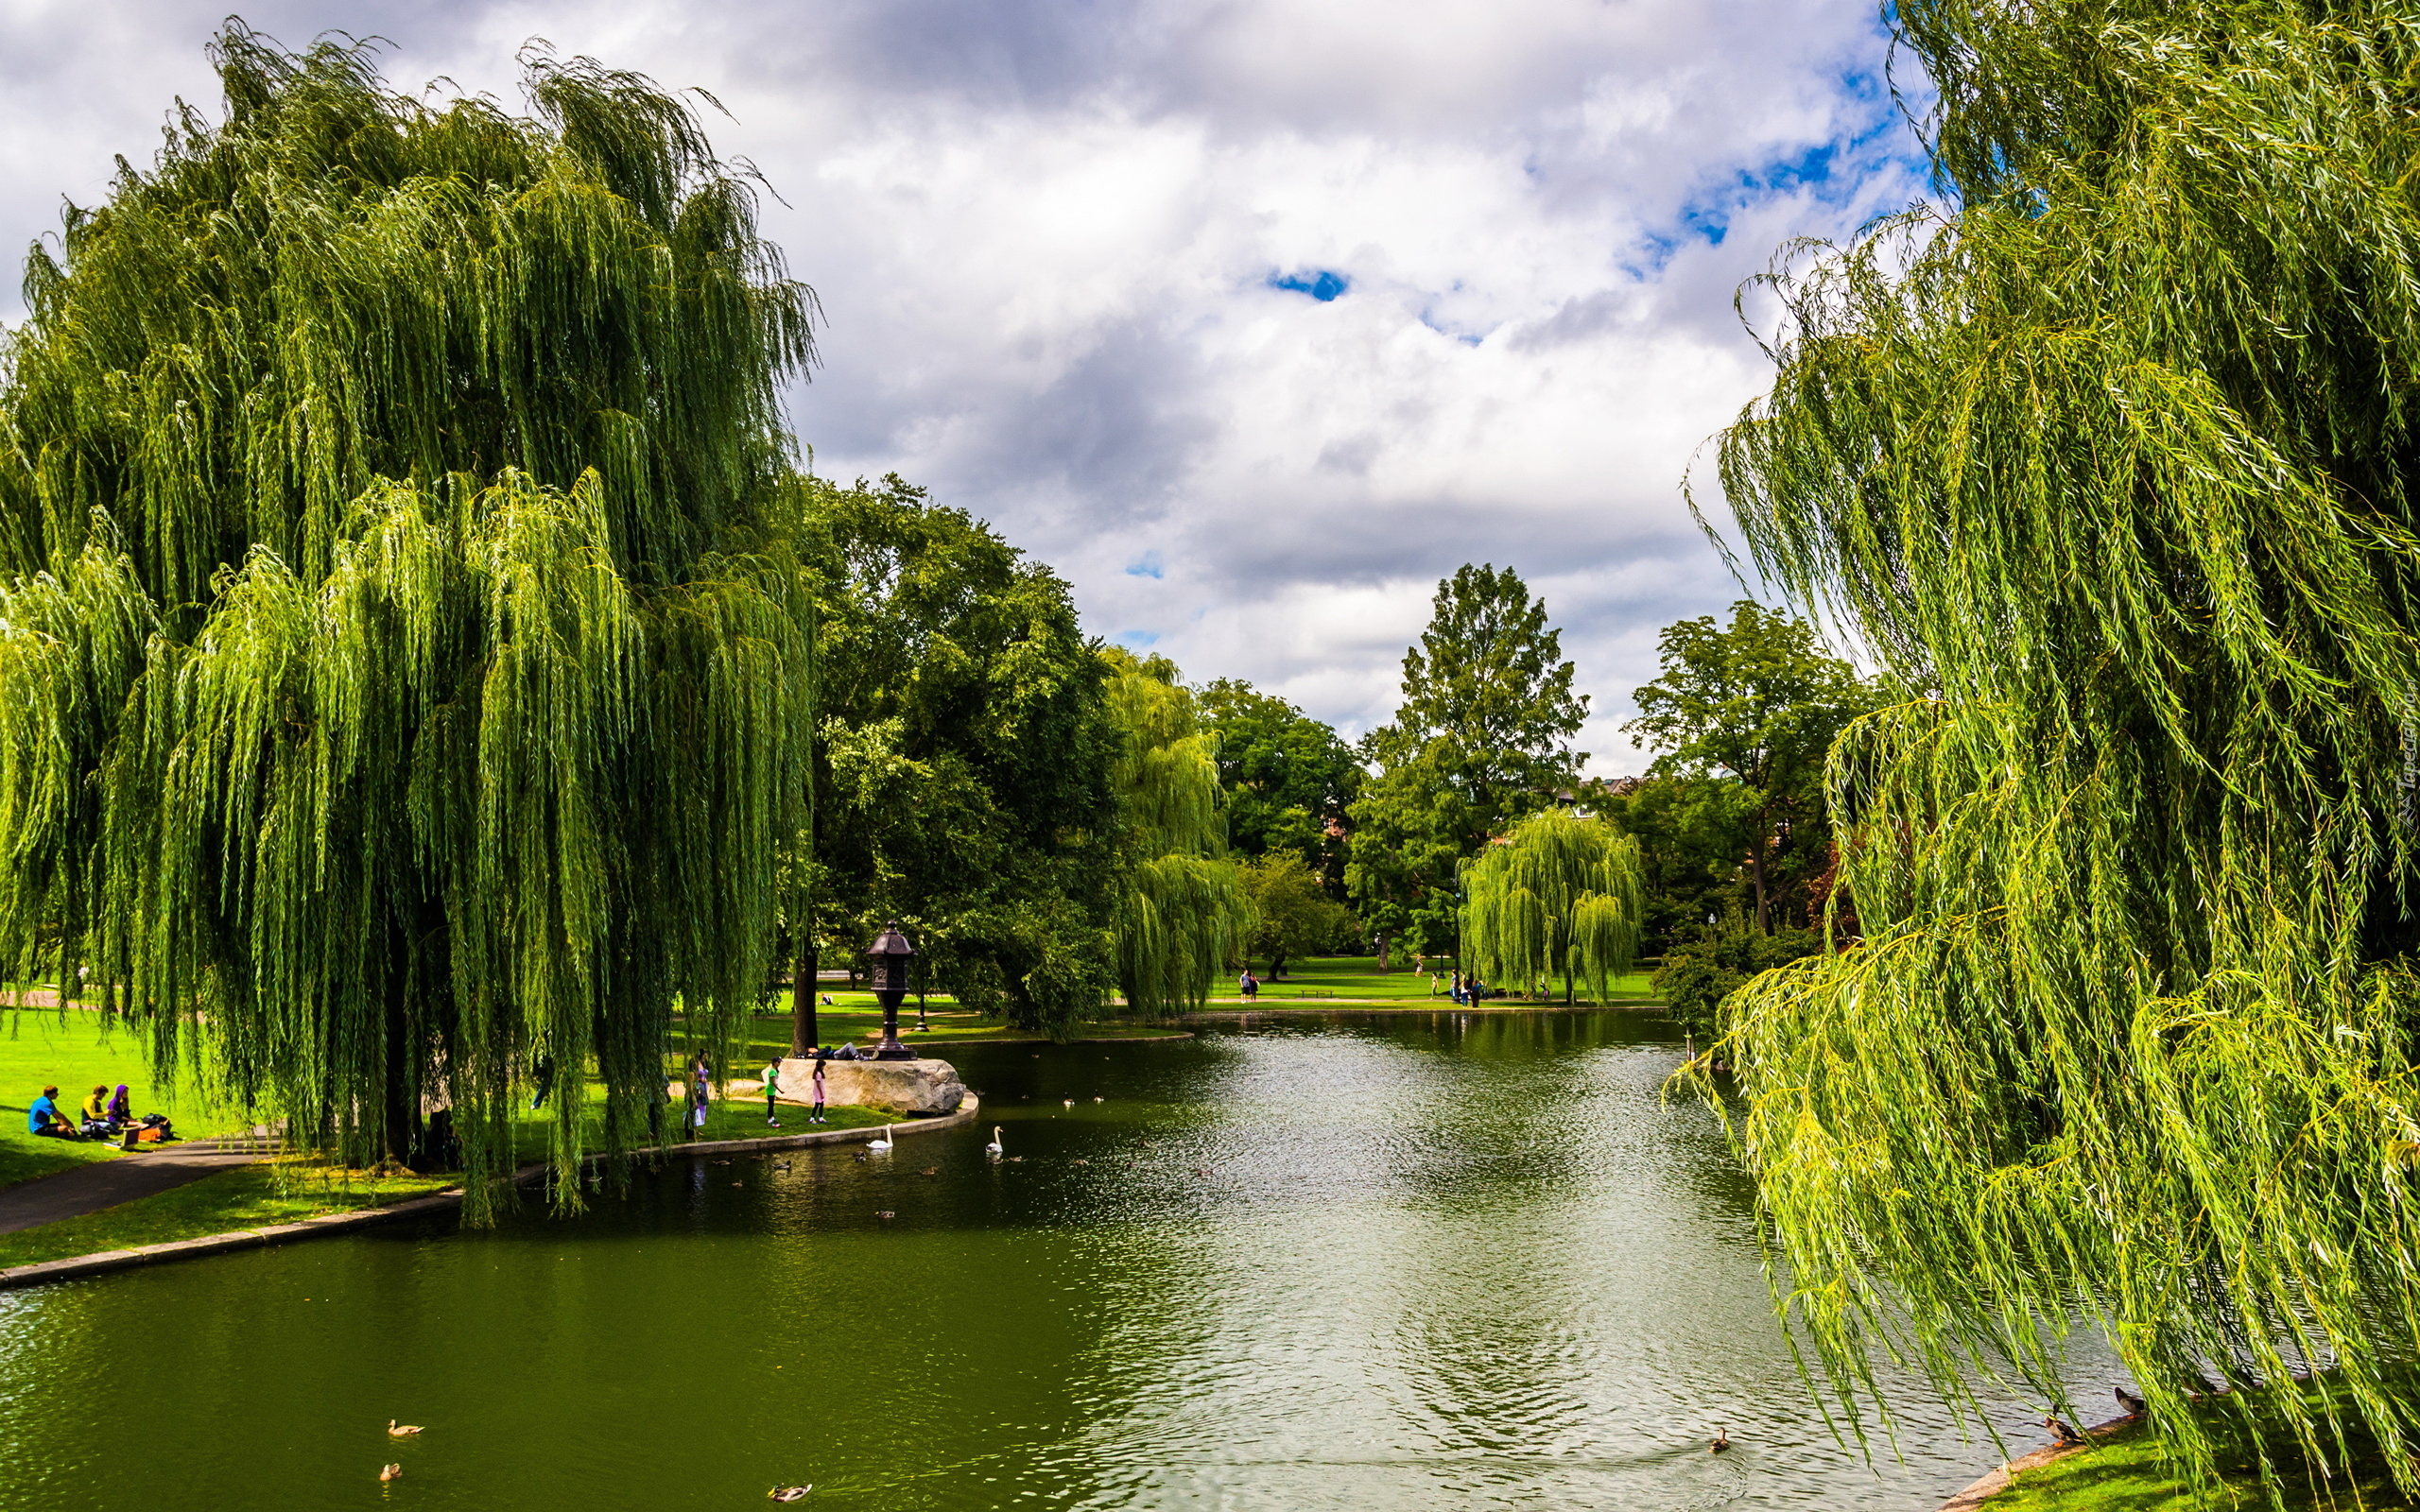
(1379, 1263)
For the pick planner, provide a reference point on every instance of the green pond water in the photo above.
(1395, 1262)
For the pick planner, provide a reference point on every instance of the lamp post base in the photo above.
(890, 1048)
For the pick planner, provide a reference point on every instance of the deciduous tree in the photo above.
(1481, 739)
(1182, 914)
(1288, 778)
(1757, 703)
(1557, 896)
(406, 667)
(2112, 458)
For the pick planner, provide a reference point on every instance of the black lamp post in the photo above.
(890, 953)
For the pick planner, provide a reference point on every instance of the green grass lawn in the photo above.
(249, 1196)
(2125, 1474)
(1347, 977)
(38, 1047)
(855, 1016)
(43, 1046)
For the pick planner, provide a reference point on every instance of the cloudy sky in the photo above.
(1252, 318)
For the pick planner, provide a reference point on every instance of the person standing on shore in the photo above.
(818, 1117)
(772, 1089)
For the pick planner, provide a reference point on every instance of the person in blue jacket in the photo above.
(45, 1120)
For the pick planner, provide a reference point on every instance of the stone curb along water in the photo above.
(965, 1107)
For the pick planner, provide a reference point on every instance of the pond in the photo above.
(1386, 1262)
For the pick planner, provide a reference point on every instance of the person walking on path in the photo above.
(818, 1117)
(772, 1089)
(701, 1091)
(1249, 986)
(543, 1074)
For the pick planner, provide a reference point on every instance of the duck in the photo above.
(993, 1149)
(886, 1215)
(1100, 1099)
(1721, 1441)
(396, 1430)
(789, 1493)
(882, 1145)
(932, 1170)
(2129, 1400)
(390, 1472)
(1066, 1102)
(2063, 1435)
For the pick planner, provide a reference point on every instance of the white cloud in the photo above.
(1043, 235)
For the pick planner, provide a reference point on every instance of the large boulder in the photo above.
(912, 1088)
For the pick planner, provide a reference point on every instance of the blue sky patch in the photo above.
(1320, 283)
(1138, 639)
(1146, 565)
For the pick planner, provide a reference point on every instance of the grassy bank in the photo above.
(1347, 978)
(2124, 1473)
(249, 1196)
(287, 1190)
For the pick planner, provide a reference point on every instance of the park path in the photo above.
(83, 1188)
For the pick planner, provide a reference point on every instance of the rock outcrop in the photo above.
(912, 1088)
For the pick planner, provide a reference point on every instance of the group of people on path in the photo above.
(107, 1115)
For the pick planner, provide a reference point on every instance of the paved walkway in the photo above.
(83, 1188)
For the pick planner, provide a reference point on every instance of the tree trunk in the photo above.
(1756, 874)
(804, 1036)
(395, 1117)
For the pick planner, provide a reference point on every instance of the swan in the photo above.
(396, 1430)
(993, 1149)
(881, 1145)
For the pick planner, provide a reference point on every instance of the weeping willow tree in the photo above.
(1183, 913)
(1559, 896)
(404, 666)
(2110, 463)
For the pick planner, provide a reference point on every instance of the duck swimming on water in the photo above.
(1721, 1441)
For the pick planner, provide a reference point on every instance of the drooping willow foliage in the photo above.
(1560, 895)
(404, 668)
(1184, 914)
(2110, 464)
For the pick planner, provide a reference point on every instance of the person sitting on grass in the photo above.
(96, 1107)
(121, 1108)
(45, 1121)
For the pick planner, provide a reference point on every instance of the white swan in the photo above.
(881, 1145)
(993, 1149)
